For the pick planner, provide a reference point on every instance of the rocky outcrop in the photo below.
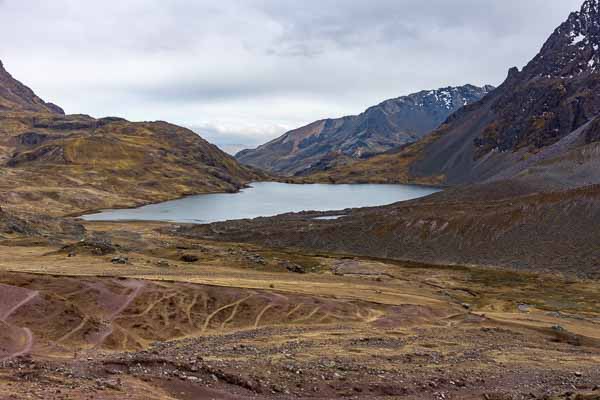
(388, 125)
(557, 93)
(15, 96)
(38, 226)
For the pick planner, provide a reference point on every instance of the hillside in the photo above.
(239, 323)
(15, 96)
(62, 164)
(536, 115)
(487, 290)
(522, 168)
(382, 127)
(497, 225)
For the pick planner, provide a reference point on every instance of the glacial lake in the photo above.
(265, 199)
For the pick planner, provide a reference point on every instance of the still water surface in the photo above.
(264, 199)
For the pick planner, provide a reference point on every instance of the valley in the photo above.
(486, 290)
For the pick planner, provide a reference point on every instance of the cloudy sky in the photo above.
(244, 71)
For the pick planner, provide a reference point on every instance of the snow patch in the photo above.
(579, 38)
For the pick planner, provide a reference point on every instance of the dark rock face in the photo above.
(380, 128)
(189, 258)
(31, 138)
(14, 96)
(557, 93)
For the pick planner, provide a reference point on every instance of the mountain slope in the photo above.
(60, 164)
(500, 225)
(390, 124)
(17, 97)
(524, 163)
(557, 93)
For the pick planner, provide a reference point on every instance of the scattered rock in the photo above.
(295, 268)
(256, 258)
(120, 260)
(189, 258)
(523, 308)
(96, 247)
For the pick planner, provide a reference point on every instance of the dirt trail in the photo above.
(7, 312)
(27, 347)
(110, 300)
(260, 315)
(540, 320)
(194, 331)
(79, 327)
(10, 306)
(225, 307)
(136, 287)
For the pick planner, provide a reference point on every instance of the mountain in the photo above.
(62, 164)
(380, 128)
(522, 167)
(17, 97)
(547, 110)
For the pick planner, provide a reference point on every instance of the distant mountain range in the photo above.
(380, 128)
(543, 122)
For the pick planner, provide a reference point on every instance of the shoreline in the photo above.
(318, 213)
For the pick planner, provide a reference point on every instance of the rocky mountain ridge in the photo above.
(555, 95)
(16, 96)
(390, 124)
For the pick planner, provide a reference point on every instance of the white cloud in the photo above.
(250, 68)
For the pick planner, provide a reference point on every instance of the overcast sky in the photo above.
(244, 71)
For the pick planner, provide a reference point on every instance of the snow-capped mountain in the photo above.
(392, 123)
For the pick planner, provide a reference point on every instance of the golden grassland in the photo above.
(78, 164)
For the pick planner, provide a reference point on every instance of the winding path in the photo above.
(30, 296)
(27, 334)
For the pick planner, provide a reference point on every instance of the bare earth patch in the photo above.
(238, 323)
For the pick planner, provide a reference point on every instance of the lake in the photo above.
(265, 199)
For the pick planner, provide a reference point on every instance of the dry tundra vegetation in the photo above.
(488, 290)
(132, 312)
